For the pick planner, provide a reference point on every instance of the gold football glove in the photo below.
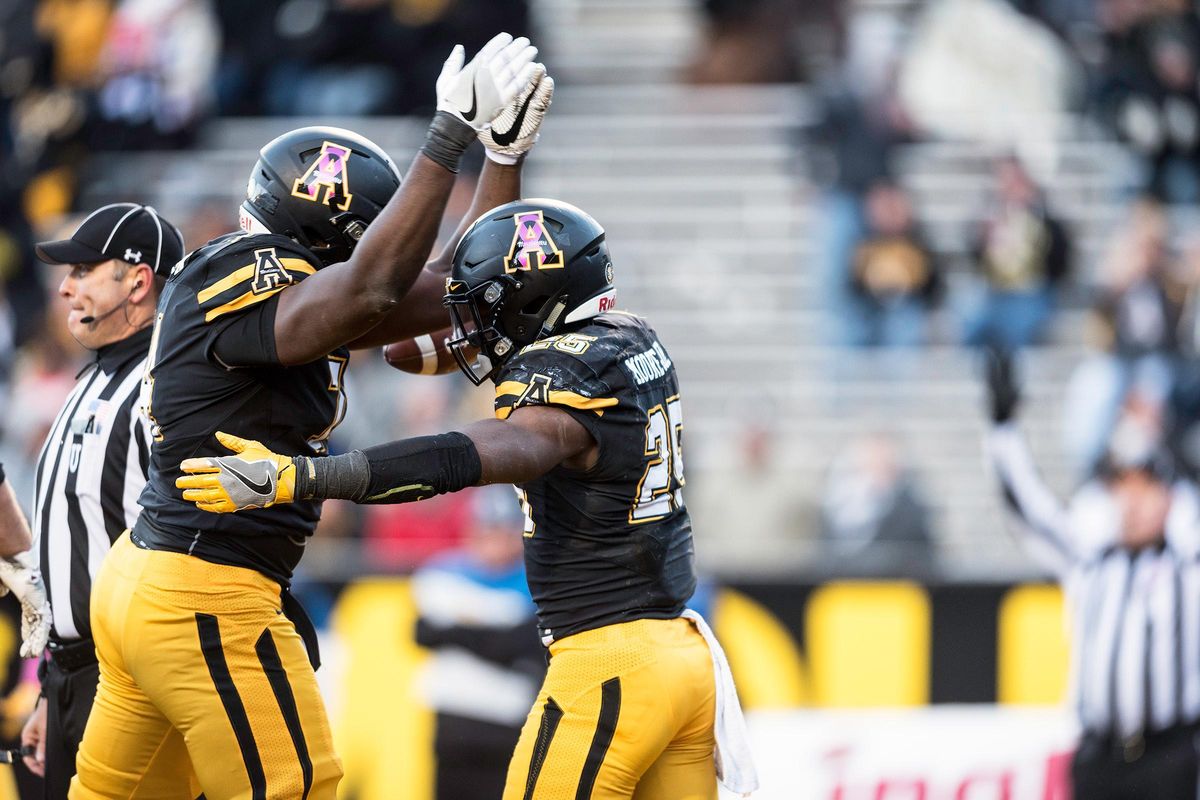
(254, 477)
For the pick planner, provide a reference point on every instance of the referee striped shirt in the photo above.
(89, 475)
(1135, 614)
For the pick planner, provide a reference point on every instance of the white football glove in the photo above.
(477, 92)
(18, 575)
(516, 129)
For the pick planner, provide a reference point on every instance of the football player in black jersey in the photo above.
(194, 628)
(588, 426)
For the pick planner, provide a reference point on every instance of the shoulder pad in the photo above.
(551, 375)
(242, 271)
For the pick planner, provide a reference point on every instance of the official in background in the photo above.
(93, 465)
(1127, 551)
(487, 662)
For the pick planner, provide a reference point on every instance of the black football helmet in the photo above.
(320, 186)
(524, 271)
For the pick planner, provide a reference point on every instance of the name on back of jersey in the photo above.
(649, 365)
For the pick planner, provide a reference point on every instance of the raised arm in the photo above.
(532, 441)
(421, 310)
(506, 142)
(1038, 513)
(343, 301)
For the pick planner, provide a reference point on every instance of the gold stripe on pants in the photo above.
(200, 669)
(626, 711)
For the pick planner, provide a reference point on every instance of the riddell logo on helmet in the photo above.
(532, 248)
(607, 303)
(330, 172)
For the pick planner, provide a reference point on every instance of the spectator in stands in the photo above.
(1127, 549)
(48, 60)
(1140, 302)
(156, 73)
(476, 615)
(1134, 328)
(747, 41)
(1185, 400)
(893, 274)
(752, 468)
(252, 53)
(351, 57)
(873, 511)
(23, 295)
(1022, 255)
(852, 150)
(1149, 94)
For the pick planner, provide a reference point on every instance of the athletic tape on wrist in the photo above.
(446, 140)
(343, 477)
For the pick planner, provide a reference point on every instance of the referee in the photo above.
(93, 465)
(1127, 551)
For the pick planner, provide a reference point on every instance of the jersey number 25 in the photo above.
(659, 491)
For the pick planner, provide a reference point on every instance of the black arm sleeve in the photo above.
(397, 472)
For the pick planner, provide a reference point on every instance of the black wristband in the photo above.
(343, 477)
(446, 140)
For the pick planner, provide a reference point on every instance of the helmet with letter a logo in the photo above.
(524, 271)
(321, 186)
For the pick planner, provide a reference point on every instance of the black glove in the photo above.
(1003, 393)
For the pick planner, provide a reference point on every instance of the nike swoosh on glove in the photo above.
(515, 131)
(18, 575)
(477, 92)
(253, 478)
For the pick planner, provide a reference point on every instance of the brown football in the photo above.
(422, 355)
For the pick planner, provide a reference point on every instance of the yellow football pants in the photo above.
(626, 711)
(199, 669)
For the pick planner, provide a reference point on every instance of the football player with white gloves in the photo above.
(199, 649)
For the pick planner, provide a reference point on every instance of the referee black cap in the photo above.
(128, 232)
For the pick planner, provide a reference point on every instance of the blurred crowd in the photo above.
(1009, 77)
(82, 77)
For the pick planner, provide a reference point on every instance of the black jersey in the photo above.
(613, 543)
(213, 366)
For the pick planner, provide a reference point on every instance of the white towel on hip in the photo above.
(735, 763)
